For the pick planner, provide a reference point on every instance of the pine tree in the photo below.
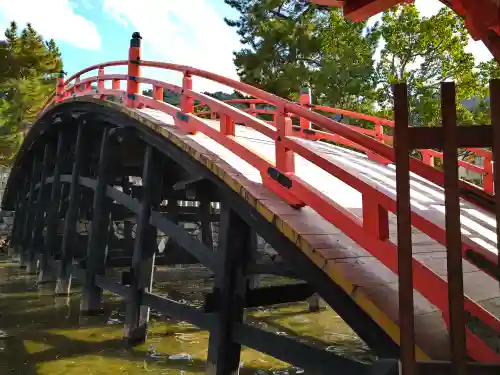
(289, 43)
(28, 70)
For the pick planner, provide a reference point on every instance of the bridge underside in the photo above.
(97, 185)
(94, 188)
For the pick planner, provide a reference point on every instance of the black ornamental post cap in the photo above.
(136, 39)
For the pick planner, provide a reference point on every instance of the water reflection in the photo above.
(45, 334)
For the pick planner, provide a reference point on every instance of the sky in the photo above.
(189, 32)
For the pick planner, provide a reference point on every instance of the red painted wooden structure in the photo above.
(372, 232)
(482, 18)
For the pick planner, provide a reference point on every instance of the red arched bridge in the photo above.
(407, 256)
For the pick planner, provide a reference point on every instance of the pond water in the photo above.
(42, 334)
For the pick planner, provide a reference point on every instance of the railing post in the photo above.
(285, 161)
(100, 81)
(252, 110)
(379, 132)
(488, 175)
(227, 125)
(427, 158)
(305, 100)
(116, 84)
(134, 70)
(60, 86)
(77, 87)
(187, 102)
(158, 93)
(375, 218)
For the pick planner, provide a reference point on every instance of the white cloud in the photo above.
(53, 19)
(188, 32)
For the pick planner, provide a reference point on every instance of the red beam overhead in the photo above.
(359, 10)
(331, 3)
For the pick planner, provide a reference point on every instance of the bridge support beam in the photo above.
(28, 215)
(63, 285)
(18, 225)
(137, 314)
(41, 207)
(47, 250)
(97, 245)
(235, 253)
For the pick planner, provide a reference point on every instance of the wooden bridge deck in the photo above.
(371, 284)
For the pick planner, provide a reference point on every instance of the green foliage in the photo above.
(424, 52)
(28, 67)
(289, 43)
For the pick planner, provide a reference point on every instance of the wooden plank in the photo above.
(435, 137)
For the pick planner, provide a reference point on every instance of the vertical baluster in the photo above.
(495, 122)
(453, 232)
(405, 258)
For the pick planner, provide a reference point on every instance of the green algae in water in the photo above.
(46, 335)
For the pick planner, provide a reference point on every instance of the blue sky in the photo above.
(190, 32)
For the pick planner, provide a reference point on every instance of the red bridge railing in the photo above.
(378, 132)
(371, 231)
